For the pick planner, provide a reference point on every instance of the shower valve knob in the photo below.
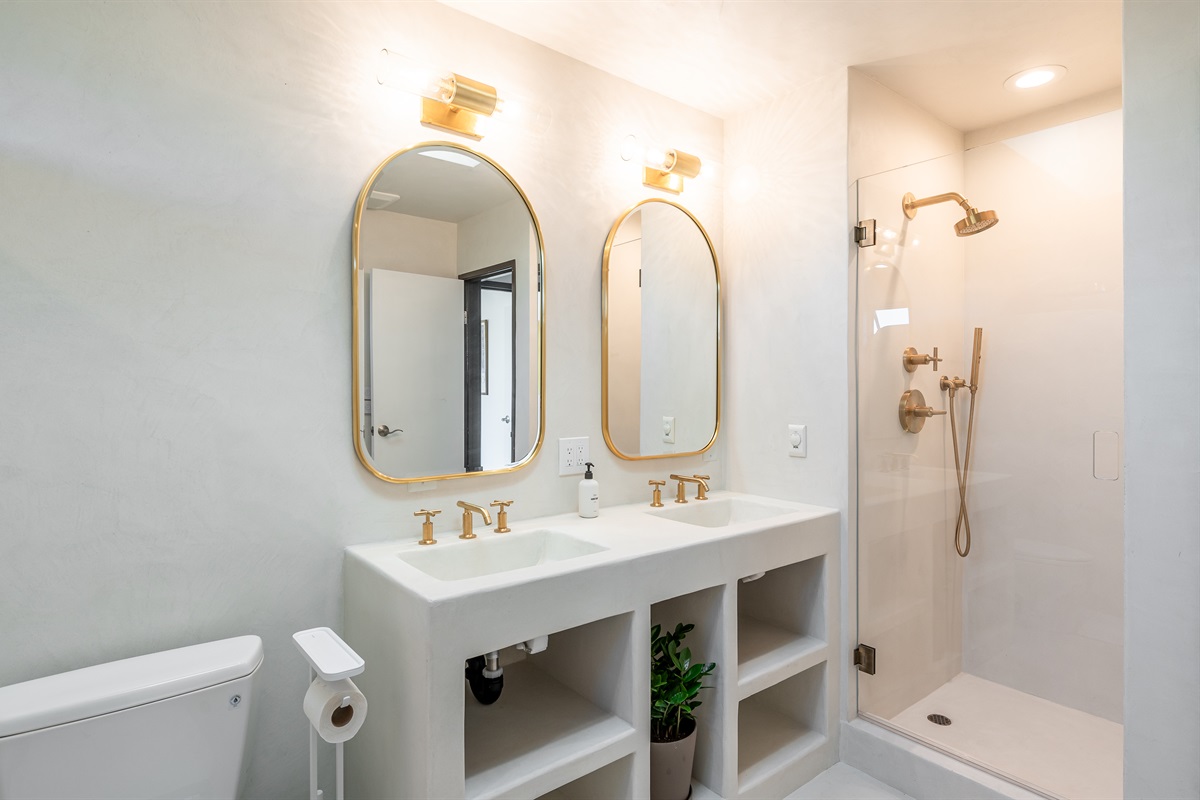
(913, 359)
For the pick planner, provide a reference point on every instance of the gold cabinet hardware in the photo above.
(657, 502)
(914, 412)
(427, 525)
(913, 359)
(502, 515)
(468, 521)
(702, 487)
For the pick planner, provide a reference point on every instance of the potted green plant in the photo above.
(675, 683)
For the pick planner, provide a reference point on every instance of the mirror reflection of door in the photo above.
(490, 403)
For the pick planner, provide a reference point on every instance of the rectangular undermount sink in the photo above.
(492, 555)
(719, 513)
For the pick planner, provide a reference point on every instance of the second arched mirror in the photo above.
(661, 337)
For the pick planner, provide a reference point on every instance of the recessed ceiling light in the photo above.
(1038, 76)
(451, 156)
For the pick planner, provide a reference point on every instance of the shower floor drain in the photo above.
(938, 719)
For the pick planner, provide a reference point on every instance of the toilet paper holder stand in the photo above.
(331, 659)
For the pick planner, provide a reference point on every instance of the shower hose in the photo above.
(962, 528)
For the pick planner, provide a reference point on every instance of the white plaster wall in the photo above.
(786, 301)
(1162, 382)
(1043, 586)
(176, 462)
(406, 243)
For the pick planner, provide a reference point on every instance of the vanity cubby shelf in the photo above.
(777, 728)
(613, 780)
(781, 625)
(573, 721)
(557, 717)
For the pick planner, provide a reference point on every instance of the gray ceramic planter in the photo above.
(671, 768)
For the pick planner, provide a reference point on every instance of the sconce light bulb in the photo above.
(410, 75)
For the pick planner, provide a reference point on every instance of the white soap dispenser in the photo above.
(589, 494)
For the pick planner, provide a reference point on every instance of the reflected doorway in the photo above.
(490, 403)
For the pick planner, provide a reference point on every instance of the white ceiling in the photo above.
(723, 56)
(441, 190)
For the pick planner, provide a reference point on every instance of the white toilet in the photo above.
(164, 725)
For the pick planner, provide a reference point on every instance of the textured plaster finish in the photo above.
(176, 462)
(1162, 382)
(786, 300)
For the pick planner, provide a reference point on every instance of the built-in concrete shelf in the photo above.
(613, 780)
(777, 728)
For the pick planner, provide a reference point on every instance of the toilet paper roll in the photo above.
(336, 709)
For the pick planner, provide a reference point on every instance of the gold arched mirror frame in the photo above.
(538, 307)
(606, 341)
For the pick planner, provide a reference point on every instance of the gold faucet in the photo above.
(701, 487)
(427, 525)
(468, 522)
(656, 501)
(913, 359)
(502, 515)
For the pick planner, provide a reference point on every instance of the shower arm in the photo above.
(914, 204)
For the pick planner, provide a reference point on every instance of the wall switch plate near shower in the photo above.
(798, 441)
(572, 455)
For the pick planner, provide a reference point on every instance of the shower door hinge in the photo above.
(864, 658)
(864, 233)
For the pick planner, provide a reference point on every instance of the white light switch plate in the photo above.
(798, 441)
(572, 455)
(668, 430)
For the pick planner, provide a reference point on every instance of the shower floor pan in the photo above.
(1062, 751)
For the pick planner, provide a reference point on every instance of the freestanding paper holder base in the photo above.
(333, 660)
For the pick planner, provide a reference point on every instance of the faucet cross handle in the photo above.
(657, 502)
(912, 359)
(502, 515)
(702, 486)
(427, 525)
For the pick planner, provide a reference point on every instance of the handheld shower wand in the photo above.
(962, 526)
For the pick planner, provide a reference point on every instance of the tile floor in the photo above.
(842, 782)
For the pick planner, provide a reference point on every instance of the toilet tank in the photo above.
(166, 725)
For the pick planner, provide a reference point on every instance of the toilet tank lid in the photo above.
(105, 688)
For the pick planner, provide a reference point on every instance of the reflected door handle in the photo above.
(384, 430)
(505, 419)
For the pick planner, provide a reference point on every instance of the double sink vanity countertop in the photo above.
(550, 573)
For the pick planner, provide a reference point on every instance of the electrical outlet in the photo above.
(798, 441)
(668, 430)
(572, 455)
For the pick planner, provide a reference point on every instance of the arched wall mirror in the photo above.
(661, 337)
(448, 341)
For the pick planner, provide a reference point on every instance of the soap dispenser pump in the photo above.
(589, 494)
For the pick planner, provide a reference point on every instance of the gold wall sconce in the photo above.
(663, 168)
(449, 101)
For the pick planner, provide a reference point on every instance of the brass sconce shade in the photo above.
(665, 168)
(450, 101)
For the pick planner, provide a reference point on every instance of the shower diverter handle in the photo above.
(914, 412)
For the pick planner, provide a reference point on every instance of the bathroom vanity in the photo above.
(573, 720)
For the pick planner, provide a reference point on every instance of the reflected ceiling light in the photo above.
(448, 155)
(664, 168)
(1037, 76)
(449, 101)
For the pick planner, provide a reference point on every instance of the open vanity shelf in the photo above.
(572, 721)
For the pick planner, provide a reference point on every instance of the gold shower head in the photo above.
(974, 222)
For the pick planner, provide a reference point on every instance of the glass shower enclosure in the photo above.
(1010, 658)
